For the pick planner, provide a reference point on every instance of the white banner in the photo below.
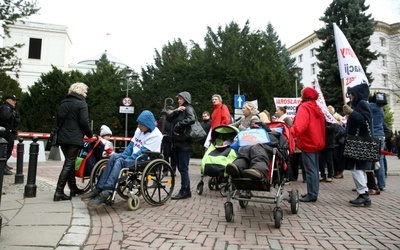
(351, 71)
(322, 104)
(290, 103)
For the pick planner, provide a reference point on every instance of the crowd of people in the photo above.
(318, 143)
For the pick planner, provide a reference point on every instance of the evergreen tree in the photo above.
(358, 27)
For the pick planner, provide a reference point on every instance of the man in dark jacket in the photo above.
(73, 124)
(181, 118)
(9, 119)
(359, 121)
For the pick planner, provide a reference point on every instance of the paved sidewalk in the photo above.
(199, 222)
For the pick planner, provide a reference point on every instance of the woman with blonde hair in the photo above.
(249, 118)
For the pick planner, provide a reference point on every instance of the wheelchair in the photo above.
(151, 177)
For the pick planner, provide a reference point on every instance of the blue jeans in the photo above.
(109, 177)
(310, 163)
(182, 160)
(380, 173)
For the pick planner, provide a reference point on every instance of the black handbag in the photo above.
(196, 132)
(362, 148)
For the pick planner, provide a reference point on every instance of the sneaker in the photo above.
(91, 195)
(100, 199)
(232, 170)
(253, 174)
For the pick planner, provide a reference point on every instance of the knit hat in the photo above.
(105, 130)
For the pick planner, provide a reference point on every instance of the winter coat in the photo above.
(220, 115)
(181, 121)
(329, 135)
(9, 118)
(309, 123)
(358, 119)
(73, 119)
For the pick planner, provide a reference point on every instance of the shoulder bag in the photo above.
(362, 148)
(195, 132)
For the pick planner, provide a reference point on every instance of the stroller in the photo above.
(279, 149)
(88, 157)
(217, 156)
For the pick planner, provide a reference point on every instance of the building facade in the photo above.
(46, 45)
(385, 70)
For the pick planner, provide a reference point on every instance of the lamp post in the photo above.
(128, 81)
(296, 73)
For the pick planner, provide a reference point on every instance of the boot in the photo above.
(362, 199)
(62, 181)
(72, 186)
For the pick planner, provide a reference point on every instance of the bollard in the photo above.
(3, 159)
(30, 187)
(19, 176)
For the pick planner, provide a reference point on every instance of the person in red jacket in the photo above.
(309, 129)
(220, 115)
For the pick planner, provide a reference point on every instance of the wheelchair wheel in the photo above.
(294, 201)
(97, 170)
(278, 217)
(228, 211)
(155, 186)
(84, 184)
(127, 183)
(133, 203)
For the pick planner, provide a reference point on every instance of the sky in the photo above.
(131, 30)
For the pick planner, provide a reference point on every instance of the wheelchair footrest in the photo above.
(249, 184)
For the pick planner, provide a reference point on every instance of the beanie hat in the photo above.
(105, 130)
(310, 94)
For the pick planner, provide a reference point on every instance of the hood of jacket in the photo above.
(310, 94)
(186, 96)
(359, 92)
(147, 119)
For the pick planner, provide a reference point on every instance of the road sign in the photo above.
(239, 101)
(127, 101)
(126, 109)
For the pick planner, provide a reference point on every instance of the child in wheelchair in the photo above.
(105, 135)
(147, 137)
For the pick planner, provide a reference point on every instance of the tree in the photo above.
(9, 86)
(358, 27)
(10, 12)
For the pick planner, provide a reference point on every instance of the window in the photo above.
(300, 58)
(383, 42)
(35, 48)
(313, 69)
(312, 52)
(385, 80)
(383, 60)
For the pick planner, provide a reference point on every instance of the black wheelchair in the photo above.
(152, 177)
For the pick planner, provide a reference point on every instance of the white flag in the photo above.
(350, 68)
(322, 104)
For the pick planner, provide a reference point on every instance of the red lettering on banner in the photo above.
(347, 52)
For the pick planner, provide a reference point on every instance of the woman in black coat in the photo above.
(181, 119)
(73, 124)
(359, 118)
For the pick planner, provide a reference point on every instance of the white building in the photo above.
(46, 45)
(383, 69)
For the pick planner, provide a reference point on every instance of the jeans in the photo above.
(380, 173)
(182, 160)
(311, 162)
(109, 177)
(359, 178)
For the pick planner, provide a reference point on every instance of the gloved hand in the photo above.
(347, 110)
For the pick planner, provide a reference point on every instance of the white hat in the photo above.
(105, 130)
